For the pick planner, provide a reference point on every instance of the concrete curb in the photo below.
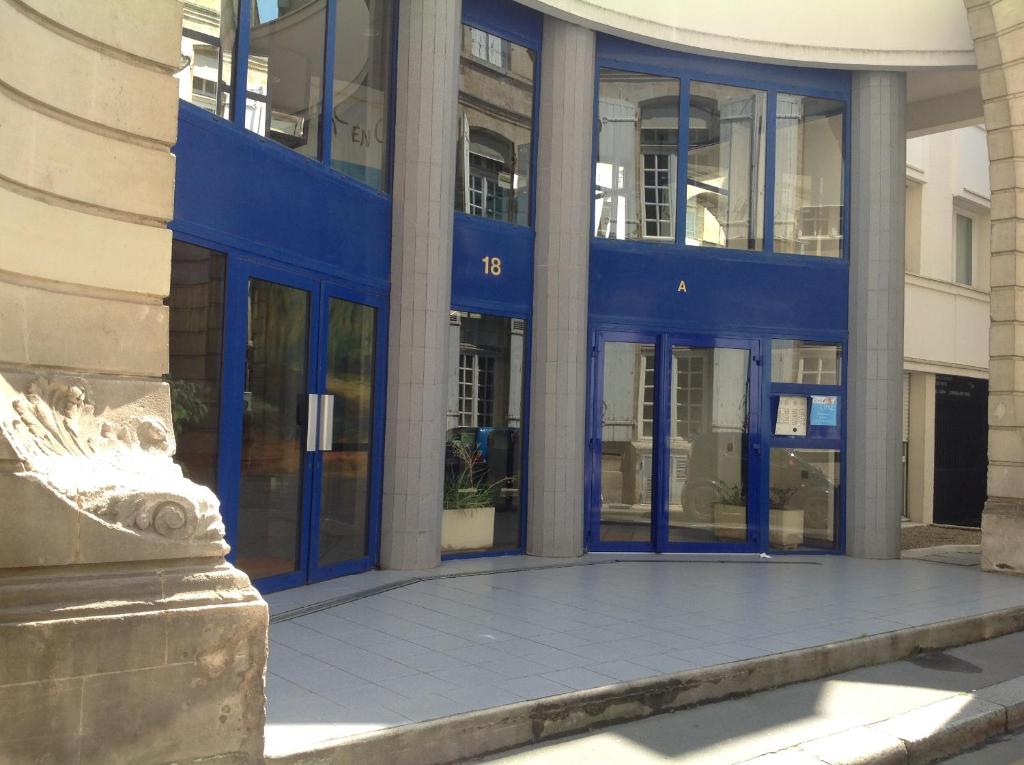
(460, 737)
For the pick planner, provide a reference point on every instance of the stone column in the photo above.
(558, 384)
(124, 636)
(999, 47)
(421, 251)
(874, 470)
(921, 460)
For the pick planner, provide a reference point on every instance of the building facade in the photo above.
(393, 339)
(400, 280)
(946, 327)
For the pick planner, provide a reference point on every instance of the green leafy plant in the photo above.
(187, 404)
(779, 497)
(731, 494)
(463, 490)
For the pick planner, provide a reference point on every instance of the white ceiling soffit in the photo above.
(846, 34)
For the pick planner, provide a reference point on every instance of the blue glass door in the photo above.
(675, 453)
(300, 426)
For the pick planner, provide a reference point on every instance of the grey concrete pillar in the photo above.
(421, 250)
(874, 471)
(559, 353)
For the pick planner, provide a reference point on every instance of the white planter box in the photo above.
(786, 527)
(730, 522)
(470, 528)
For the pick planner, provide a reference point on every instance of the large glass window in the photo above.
(483, 449)
(196, 311)
(208, 35)
(638, 151)
(808, 176)
(284, 82)
(362, 72)
(802, 491)
(495, 125)
(725, 167)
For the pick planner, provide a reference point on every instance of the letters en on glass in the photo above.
(484, 439)
(808, 176)
(362, 76)
(725, 167)
(638, 156)
(495, 127)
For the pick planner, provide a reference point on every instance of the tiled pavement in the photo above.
(441, 646)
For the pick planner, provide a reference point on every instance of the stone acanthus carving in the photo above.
(121, 472)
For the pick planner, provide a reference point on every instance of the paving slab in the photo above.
(619, 637)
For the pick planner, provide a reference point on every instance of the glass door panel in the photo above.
(707, 437)
(346, 433)
(270, 492)
(627, 438)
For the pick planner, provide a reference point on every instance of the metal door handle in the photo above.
(326, 422)
(311, 409)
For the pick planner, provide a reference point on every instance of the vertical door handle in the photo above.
(311, 409)
(326, 422)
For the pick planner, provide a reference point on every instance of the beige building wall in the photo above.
(124, 635)
(946, 324)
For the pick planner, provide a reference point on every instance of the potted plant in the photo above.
(785, 524)
(467, 522)
(730, 512)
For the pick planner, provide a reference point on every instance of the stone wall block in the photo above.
(1005, 445)
(1006, 14)
(1005, 142)
(1006, 479)
(1006, 373)
(63, 330)
(84, 166)
(1006, 408)
(1005, 268)
(35, 720)
(981, 21)
(1007, 203)
(109, 254)
(1002, 528)
(149, 30)
(73, 648)
(112, 92)
(1007, 236)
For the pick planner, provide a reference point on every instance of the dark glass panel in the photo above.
(802, 508)
(345, 491)
(273, 430)
(483, 450)
(208, 37)
(196, 317)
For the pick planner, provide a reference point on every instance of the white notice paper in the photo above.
(792, 417)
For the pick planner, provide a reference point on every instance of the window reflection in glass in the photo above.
(627, 456)
(345, 488)
(707, 445)
(208, 35)
(725, 167)
(495, 124)
(284, 82)
(802, 507)
(196, 319)
(483, 449)
(808, 176)
(362, 71)
(638, 155)
(806, 363)
(270, 484)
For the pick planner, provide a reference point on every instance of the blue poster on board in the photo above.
(825, 411)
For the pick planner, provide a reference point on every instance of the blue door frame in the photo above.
(319, 289)
(663, 343)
